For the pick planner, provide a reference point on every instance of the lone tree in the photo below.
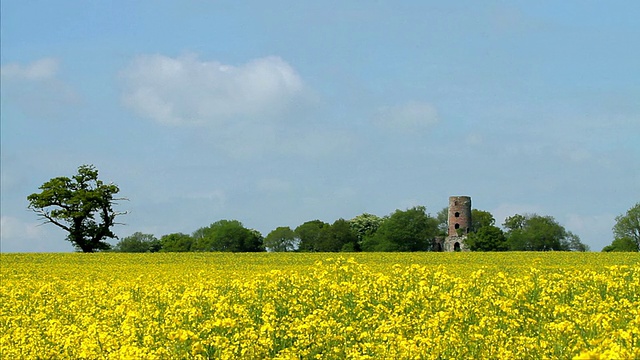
(74, 204)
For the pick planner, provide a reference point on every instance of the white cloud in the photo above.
(245, 111)
(43, 69)
(18, 235)
(36, 89)
(14, 227)
(186, 90)
(408, 116)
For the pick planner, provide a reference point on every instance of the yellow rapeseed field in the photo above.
(330, 306)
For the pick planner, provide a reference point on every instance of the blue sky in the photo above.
(279, 112)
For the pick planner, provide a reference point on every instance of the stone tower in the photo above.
(459, 223)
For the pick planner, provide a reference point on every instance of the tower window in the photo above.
(457, 214)
(457, 226)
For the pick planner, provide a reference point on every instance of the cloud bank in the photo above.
(246, 110)
(43, 69)
(189, 91)
(23, 236)
(36, 89)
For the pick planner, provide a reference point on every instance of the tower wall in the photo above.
(459, 215)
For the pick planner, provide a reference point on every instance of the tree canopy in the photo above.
(81, 205)
(227, 235)
(443, 221)
(313, 236)
(624, 244)
(138, 242)
(176, 242)
(534, 232)
(365, 225)
(481, 218)
(342, 237)
(628, 225)
(281, 239)
(409, 230)
(487, 238)
(403, 230)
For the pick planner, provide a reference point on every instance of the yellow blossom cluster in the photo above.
(320, 306)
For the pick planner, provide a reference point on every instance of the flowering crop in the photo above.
(374, 305)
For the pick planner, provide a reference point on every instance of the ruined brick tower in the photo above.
(459, 223)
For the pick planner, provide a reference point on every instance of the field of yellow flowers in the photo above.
(357, 306)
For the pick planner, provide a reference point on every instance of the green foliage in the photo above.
(342, 237)
(176, 242)
(365, 225)
(350, 247)
(571, 242)
(318, 236)
(443, 221)
(537, 233)
(281, 239)
(623, 244)
(138, 243)
(409, 230)
(487, 238)
(628, 225)
(515, 222)
(313, 236)
(480, 218)
(81, 205)
(540, 233)
(227, 235)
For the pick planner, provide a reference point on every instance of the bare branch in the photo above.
(50, 219)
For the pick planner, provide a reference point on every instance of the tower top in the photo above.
(459, 215)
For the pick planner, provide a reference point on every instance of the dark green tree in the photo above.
(487, 238)
(281, 239)
(81, 205)
(515, 222)
(480, 218)
(342, 237)
(624, 244)
(312, 236)
(254, 242)
(628, 225)
(365, 225)
(138, 243)
(409, 230)
(227, 236)
(176, 242)
(539, 233)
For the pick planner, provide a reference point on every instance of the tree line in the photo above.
(83, 206)
(413, 229)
